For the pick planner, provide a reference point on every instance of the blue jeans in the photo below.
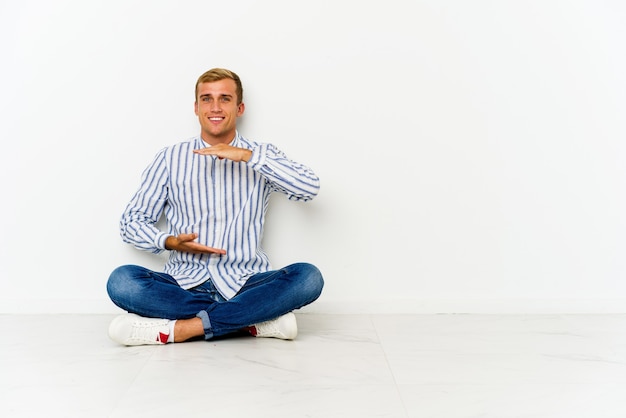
(265, 296)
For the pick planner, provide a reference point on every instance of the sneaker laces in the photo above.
(284, 327)
(268, 328)
(148, 331)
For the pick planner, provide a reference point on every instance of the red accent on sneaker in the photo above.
(163, 337)
(252, 330)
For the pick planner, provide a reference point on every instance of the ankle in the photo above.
(185, 329)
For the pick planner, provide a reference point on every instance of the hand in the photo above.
(185, 243)
(226, 151)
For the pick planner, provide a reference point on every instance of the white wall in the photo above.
(472, 153)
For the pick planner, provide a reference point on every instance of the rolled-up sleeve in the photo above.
(294, 179)
(138, 222)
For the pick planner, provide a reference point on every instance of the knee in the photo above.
(120, 282)
(312, 279)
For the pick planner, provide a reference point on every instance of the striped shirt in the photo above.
(223, 201)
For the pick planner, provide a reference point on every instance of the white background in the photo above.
(472, 153)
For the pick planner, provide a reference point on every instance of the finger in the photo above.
(212, 250)
(207, 251)
(187, 237)
(195, 246)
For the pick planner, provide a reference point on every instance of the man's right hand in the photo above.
(185, 243)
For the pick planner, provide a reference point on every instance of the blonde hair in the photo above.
(217, 74)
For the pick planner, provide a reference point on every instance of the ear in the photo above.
(195, 108)
(240, 109)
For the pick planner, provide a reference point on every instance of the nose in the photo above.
(215, 106)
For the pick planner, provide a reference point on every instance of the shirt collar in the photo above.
(234, 143)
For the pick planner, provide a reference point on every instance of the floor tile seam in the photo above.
(393, 376)
(291, 385)
(132, 382)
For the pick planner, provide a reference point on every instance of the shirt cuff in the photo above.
(259, 154)
(160, 241)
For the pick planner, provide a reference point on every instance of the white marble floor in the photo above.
(450, 366)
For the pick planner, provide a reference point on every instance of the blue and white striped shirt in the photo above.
(223, 201)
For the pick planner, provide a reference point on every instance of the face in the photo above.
(217, 110)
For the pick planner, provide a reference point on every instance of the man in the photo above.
(213, 191)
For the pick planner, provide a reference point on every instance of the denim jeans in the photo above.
(265, 296)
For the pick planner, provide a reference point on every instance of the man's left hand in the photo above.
(226, 151)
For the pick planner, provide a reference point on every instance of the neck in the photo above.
(214, 140)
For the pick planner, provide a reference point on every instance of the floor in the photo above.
(359, 366)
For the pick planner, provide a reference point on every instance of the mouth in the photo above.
(216, 118)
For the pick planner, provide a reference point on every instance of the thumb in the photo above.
(187, 237)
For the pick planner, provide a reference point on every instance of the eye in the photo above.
(225, 99)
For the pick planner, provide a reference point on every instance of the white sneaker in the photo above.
(131, 329)
(284, 327)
